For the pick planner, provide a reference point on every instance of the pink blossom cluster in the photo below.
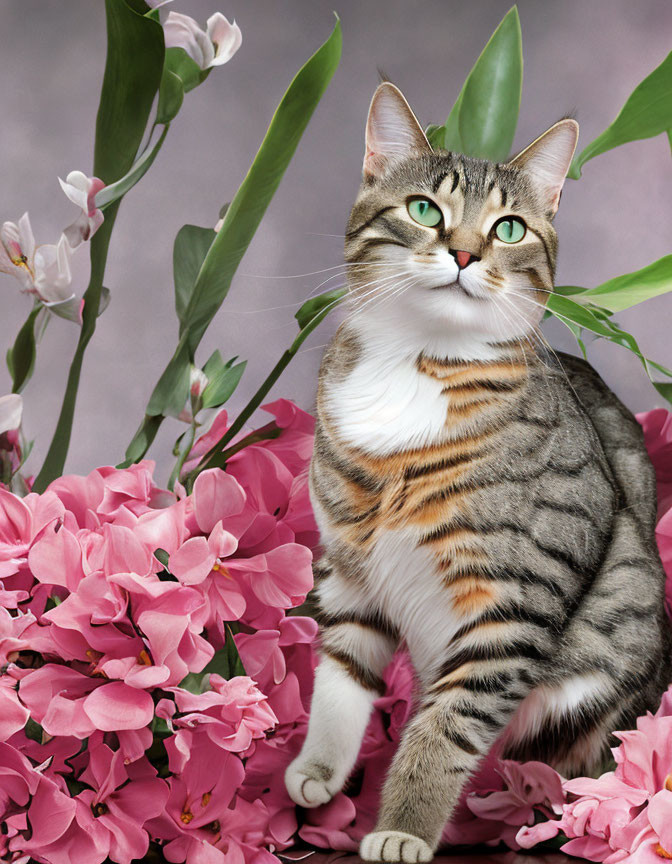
(626, 814)
(115, 596)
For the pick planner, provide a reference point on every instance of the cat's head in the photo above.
(448, 243)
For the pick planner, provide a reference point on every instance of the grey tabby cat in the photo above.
(481, 500)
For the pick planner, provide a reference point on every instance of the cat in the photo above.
(483, 501)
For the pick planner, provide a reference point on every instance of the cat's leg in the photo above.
(347, 682)
(459, 720)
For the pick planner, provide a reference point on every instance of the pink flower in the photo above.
(624, 812)
(120, 800)
(657, 428)
(171, 617)
(202, 787)
(530, 789)
(18, 782)
(13, 714)
(58, 829)
(263, 652)
(233, 713)
(65, 702)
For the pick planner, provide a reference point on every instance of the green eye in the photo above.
(510, 230)
(422, 210)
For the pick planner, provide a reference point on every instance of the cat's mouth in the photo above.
(458, 287)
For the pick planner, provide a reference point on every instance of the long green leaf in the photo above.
(647, 112)
(189, 250)
(135, 52)
(257, 189)
(483, 120)
(245, 213)
(628, 290)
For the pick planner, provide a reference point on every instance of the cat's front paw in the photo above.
(394, 846)
(307, 781)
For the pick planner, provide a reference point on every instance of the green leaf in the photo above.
(214, 365)
(451, 129)
(141, 440)
(133, 70)
(135, 54)
(162, 557)
(52, 602)
(595, 320)
(171, 96)
(117, 190)
(222, 384)
(315, 305)
(436, 135)
(172, 389)
(33, 730)
(628, 290)
(21, 357)
(189, 250)
(180, 64)
(257, 189)
(483, 120)
(647, 112)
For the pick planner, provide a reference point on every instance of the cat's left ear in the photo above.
(392, 131)
(547, 160)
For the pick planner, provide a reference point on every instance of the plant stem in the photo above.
(210, 459)
(58, 449)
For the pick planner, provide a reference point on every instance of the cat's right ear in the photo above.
(392, 131)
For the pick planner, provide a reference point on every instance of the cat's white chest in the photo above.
(404, 582)
(383, 406)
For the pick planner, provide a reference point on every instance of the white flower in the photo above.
(81, 190)
(212, 48)
(43, 271)
(11, 410)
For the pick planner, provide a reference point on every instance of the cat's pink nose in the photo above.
(463, 258)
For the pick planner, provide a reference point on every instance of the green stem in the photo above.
(265, 433)
(210, 460)
(184, 452)
(58, 449)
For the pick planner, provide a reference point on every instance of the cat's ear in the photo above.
(547, 160)
(392, 130)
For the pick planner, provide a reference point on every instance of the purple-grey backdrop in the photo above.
(580, 57)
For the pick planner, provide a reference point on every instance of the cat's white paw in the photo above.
(394, 846)
(307, 781)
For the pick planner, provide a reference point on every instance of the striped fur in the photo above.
(484, 502)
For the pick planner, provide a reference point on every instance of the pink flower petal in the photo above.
(118, 706)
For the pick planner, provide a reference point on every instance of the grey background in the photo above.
(581, 57)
